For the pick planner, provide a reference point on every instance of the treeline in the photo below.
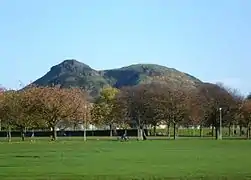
(42, 108)
(143, 106)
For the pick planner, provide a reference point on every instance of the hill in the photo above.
(72, 73)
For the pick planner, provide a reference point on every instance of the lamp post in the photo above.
(220, 134)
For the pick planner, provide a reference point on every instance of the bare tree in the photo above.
(134, 100)
(217, 101)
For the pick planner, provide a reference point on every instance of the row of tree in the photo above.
(141, 106)
(42, 108)
(150, 105)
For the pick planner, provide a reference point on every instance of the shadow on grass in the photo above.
(27, 157)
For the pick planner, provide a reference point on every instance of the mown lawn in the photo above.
(110, 160)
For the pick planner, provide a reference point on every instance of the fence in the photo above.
(207, 132)
(130, 132)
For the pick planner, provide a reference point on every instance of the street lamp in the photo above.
(220, 134)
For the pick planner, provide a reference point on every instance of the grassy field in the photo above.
(110, 160)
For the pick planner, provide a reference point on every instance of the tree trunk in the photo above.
(233, 130)
(212, 131)
(168, 131)
(33, 133)
(140, 134)
(85, 134)
(0, 125)
(54, 133)
(23, 134)
(74, 126)
(144, 134)
(140, 127)
(154, 130)
(229, 130)
(240, 130)
(201, 131)
(111, 130)
(217, 133)
(248, 132)
(9, 134)
(193, 131)
(174, 131)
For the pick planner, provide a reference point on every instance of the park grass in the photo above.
(109, 160)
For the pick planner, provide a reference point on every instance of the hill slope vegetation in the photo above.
(72, 73)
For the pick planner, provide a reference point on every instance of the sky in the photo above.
(209, 39)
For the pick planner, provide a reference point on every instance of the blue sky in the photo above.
(210, 39)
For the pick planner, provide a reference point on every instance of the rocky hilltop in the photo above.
(72, 73)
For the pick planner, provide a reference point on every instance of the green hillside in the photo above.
(72, 73)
